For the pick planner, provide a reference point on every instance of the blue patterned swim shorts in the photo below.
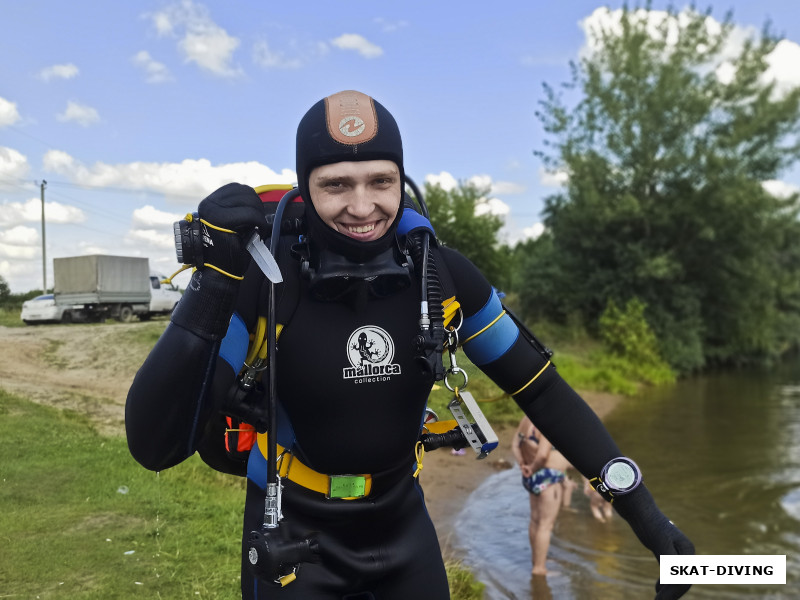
(542, 479)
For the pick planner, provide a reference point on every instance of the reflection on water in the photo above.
(721, 455)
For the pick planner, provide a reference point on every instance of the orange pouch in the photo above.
(239, 438)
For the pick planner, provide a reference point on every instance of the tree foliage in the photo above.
(5, 291)
(472, 232)
(667, 151)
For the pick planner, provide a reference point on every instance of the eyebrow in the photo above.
(324, 179)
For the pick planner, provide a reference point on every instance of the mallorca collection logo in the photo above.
(370, 351)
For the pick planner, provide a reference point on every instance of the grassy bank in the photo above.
(82, 520)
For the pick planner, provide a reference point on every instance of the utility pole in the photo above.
(44, 251)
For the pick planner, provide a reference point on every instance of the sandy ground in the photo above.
(89, 368)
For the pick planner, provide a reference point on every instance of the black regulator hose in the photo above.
(454, 438)
(430, 341)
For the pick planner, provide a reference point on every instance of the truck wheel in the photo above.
(125, 313)
(66, 317)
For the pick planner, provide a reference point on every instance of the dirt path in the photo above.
(86, 368)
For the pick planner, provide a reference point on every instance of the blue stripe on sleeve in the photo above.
(233, 348)
(493, 342)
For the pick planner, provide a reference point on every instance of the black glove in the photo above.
(228, 218)
(656, 532)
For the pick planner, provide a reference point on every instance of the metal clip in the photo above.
(454, 369)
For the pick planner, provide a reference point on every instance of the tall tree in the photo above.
(461, 224)
(667, 151)
(5, 291)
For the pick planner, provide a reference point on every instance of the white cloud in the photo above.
(79, 113)
(155, 71)
(150, 238)
(782, 69)
(444, 180)
(16, 252)
(265, 57)
(781, 62)
(185, 181)
(503, 188)
(507, 188)
(13, 165)
(8, 112)
(19, 236)
(780, 189)
(390, 26)
(492, 206)
(481, 181)
(448, 183)
(485, 205)
(201, 40)
(30, 211)
(533, 232)
(211, 50)
(353, 41)
(149, 216)
(553, 178)
(67, 71)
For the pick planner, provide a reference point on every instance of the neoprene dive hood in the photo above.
(347, 126)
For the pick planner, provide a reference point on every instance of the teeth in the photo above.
(363, 229)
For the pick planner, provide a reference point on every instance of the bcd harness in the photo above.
(245, 414)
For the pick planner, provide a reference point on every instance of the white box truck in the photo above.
(98, 286)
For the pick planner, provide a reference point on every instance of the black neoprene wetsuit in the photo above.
(355, 396)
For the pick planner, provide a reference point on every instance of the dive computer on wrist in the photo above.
(618, 477)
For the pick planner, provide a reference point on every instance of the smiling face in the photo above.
(358, 199)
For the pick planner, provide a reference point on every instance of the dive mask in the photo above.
(335, 277)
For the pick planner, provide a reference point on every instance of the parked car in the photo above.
(43, 309)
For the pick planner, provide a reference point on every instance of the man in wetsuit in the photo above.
(350, 384)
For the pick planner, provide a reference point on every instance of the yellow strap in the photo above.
(547, 364)
(450, 307)
(287, 579)
(168, 280)
(474, 335)
(419, 452)
(262, 352)
(232, 276)
(441, 426)
(611, 501)
(273, 186)
(255, 343)
(294, 470)
(222, 229)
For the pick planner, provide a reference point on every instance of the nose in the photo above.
(361, 204)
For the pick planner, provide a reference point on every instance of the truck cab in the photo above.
(163, 296)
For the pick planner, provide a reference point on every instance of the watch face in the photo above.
(620, 476)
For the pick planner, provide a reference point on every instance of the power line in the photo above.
(120, 190)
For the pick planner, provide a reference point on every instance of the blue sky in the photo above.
(134, 111)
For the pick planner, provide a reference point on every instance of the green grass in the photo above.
(67, 530)
(579, 360)
(9, 316)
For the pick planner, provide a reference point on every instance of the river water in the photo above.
(720, 453)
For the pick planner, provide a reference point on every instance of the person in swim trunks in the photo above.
(542, 479)
(543, 471)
